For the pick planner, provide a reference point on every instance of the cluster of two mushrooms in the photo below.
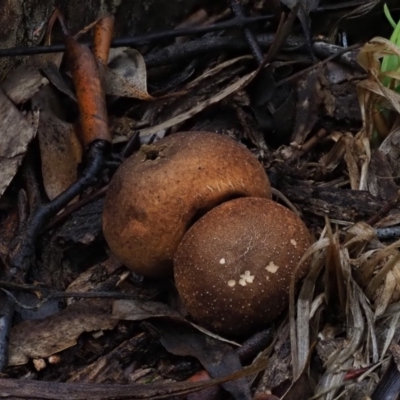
(198, 205)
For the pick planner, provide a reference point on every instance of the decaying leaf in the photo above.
(126, 74)
(138, 310)
(22, 83)
(60, 149)
(308, 101)
(135, 310)
(16, 135)
(218, 358)
(238, 85)
(42, 338)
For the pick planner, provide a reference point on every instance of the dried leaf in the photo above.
(42, 338)
(54, 76)
(126, 75)
(217, 358)
(308, 101)
(300, 329)
(236, 86)
(137, 310)
(370, 54)
(392, 98)
(60, 149)
(16, 135)
(22, 83)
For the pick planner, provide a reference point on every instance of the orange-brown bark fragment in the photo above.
(89, 92)
(103, 33)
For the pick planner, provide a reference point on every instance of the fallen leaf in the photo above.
(42, 338)
(219, 359)
(60, 149)
(236, 86)
(126, 75)
(16, 134)
(23, 83)
(138, 310)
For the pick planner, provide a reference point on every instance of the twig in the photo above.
(319, 64)
(210, 46)
(389, 233)
(68, 295)
(96, 158)
(74, 207)
(307, 146)
(251, 40)
(142, 39)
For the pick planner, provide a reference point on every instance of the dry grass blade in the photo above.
(78, 391)
(355, 321)
(299, 329)
(370, 54)
(234, 87)
(377, 279)
(335, 292)
(366, 270)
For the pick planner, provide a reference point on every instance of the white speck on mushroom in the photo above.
(222, 261)
(272, 267)
(231, 283)
(293, 242)
(246, 278)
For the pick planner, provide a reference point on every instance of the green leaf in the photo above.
(389, 16)
(391, 63)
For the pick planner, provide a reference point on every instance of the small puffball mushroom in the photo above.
(234, 266)
(159, 192)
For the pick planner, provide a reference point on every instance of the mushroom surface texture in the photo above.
(234, 266)
(160, 191)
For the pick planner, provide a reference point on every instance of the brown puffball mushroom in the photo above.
(234, 266)
(159, 192)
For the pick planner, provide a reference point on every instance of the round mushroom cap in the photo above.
(234, 266)
(159, 192)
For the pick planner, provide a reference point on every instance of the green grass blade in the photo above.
(389, 16)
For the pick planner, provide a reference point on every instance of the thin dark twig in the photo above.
(133, 143)
(96, 158)
(67, 295)
(211, 46)
(74, 207)
(248, 34)
(170, 34)
(389, 233)
(281, 35)
(143, 39)
(319, 64)
(47, 294)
